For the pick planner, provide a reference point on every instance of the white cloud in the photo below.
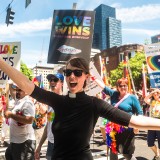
(146, 32)
(81, 4)
(116, 5)
(139, 14)
(25, 28)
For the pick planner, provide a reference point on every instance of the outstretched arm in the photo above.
(144, 123)
(21, 80)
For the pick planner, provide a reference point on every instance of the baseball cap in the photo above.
(57, 75)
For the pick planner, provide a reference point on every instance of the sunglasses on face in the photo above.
(54, 80)
(18, 90)
(76, 72)
(125, 86)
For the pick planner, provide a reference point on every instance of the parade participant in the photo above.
(22, 138)
(76, 113)
(56, 84)
(5, 126)
(40, 120)
(153, 99)
(123, 139)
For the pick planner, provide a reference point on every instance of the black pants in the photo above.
(21, 151)
(125, 145)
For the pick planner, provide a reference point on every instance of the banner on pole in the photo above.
(10, 52)
(71, 35)
(152, 53)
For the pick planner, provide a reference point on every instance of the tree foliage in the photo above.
(135, 64)
(26, 71)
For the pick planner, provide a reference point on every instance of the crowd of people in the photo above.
(71, 118)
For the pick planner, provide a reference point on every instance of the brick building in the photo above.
(113, 56)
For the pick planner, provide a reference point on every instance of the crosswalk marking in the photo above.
(96, 154)
(100, 155)
(44, 148)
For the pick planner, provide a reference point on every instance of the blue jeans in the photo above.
(49, 150)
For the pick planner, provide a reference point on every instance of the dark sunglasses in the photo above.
(18, 90)
(125, 86)
(54, 80)
(76, 72)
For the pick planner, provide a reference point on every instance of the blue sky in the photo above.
(32, 26)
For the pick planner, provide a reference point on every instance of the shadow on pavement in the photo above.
(96, 150)
(141, 158)
(142, 135)
(138, 158)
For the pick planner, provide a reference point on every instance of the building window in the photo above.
(107, 60)
(121, 57)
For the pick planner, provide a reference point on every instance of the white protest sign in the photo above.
(10, 52)
(92, 88)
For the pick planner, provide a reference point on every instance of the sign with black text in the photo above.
(71, 35)
(10, 52)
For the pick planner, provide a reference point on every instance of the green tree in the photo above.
(26, 71)
(135, 64)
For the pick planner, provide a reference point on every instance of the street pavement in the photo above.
(142, 151)
(99, 150)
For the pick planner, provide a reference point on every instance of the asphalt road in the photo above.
(142, 151)
(99, 150)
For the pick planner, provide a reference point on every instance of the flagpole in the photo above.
(144, 87)
(130, 73)
(101, 66)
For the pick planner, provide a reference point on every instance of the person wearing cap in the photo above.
(56, 84)
(22, 137)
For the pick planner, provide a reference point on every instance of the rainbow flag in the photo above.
(104, 71)
(129, 81)
(126, 75)
(38, 80)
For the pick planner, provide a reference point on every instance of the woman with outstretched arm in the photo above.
(76, 113)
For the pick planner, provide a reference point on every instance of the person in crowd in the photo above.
(6, 103)
(40, 120)
(22, 137)
(5, 125)
(153, 99)
(1, 121)
(123, 139)
(76, 113)
(143, 104)
(56, 84)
